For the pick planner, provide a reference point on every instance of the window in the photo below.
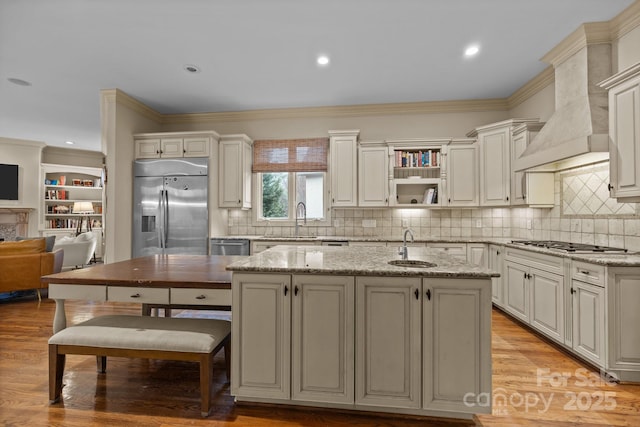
(287, 173)
(280, 192)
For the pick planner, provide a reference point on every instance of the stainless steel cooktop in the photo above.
(568, 246)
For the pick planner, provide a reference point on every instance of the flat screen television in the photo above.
(8, 182)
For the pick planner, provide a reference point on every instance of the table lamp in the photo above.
(84, 208)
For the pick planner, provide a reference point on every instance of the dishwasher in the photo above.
(224, 246)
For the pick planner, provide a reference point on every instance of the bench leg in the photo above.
(206, 383)
(56, 370)
(101, 362)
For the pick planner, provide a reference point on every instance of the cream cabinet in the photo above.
(462, 173)
(624, 317)
(494, 143)
(453, 322)
(234, 171)
(534, 291)
(322, 339)
(388, 339)
(174, 144)
(496, 263)
(624, 134)
(373, 175)
(261, 330)
(589, 321)
(477, 253)
(534, 189)
(343, 148)
(458, 250)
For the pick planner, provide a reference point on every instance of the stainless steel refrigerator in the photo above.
(170, 213)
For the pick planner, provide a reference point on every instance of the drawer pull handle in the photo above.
(584, 272)
(201, 297)
(135, 296)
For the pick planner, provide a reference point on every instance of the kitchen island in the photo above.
(340, 327)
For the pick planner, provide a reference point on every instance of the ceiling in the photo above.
(261, 54)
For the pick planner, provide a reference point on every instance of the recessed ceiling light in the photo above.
(190, 68)
(19, 82)
(323, 60)
(471, 50)
(69, 142)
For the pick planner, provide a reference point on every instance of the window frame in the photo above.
(258, 220)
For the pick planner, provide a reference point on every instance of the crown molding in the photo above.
(119, 97)
(626, 21)
(342, 111)
(585, 34)
(533, 86)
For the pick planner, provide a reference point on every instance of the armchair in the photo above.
(77, 250)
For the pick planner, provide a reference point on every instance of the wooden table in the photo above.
(158, 280)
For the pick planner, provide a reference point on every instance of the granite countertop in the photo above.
(629, 259)
(353, 261)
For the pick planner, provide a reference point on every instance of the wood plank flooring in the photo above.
(137, 392)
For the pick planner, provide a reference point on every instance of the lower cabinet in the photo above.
(416, 345)
(588, 321)
(624, 318)
(388, 356)
(496, 263)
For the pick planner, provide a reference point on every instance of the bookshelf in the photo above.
(62, 187)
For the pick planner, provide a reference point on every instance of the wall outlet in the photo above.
(368, 222)
(405, 222)
(529, 224)
(478, 223)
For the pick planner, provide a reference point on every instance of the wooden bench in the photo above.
(196, 340)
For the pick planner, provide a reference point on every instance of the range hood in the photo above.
(578, 131)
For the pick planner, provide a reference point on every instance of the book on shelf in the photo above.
(417, 159)
(430, 196)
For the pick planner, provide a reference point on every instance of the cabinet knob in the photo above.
(429, 294)
(610, 187)
(295, 291)
(157, 151)
(201, 297)
(286, 289)
(417, 294)
(573, 291)
(184, 151)
(135, 296)
(507, 198)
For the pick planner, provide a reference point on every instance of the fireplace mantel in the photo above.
(21, 218)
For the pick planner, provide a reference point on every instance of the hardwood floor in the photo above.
(137, 392)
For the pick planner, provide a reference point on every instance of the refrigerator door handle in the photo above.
(165, 227)
(161, 222)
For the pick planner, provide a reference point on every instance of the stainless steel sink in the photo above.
(412, 263)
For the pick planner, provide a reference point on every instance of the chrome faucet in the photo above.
(300, 207)
(403, 249)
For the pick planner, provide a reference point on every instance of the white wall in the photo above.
(27, 155)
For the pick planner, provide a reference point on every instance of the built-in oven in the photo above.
(224, 246)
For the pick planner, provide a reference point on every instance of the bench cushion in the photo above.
(146, 333)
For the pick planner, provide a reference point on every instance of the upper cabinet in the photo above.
(462, 173)
(624, 134)
(343, 147)
(534, 189)
(174, 144)
(373, 175)
(494, 142)
(234, 171)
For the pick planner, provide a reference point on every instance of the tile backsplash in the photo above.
(573, 218)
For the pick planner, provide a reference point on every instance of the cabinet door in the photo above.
(196, 147)
(322, 339)
(495, 167)
(624, 141)
(261, 331)
(477, 254)
(388, 339)
(147, 148)
(230, 174)
(496, 262)
(624, 318)
(171, 147)
(518, 145)
(517, 290)
(344, 177)
(589, 321)
(373, 182)
(547, 303)
(462, 176)
(457, 349)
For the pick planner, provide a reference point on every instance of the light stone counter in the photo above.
(356, 261)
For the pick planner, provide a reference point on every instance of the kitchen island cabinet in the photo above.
(361, 334)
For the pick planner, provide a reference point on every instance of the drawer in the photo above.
(137, 294)
(200, 296)
(458, 250)
(586, 272)
(85, 292)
